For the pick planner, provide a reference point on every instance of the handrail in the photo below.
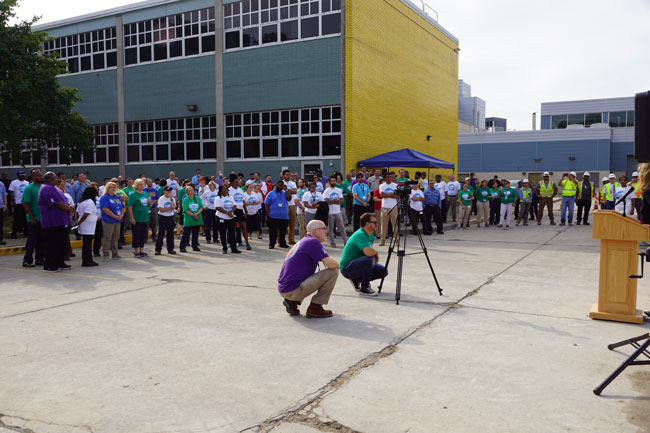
(424, 9)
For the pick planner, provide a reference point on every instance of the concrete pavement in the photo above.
(201, 343)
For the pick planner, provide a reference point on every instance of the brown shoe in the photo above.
(292, 307)
(317, 311)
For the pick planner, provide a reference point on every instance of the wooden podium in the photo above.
(619, 246)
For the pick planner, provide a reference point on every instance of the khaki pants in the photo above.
(386, 215)
(451, 205)
(482, 211)
(111, 236)
(291, 230)
(464, 215)
(302, 228)
(322, 282)
(548, 202)
(378, 225)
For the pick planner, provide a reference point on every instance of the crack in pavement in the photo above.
(15, 428)
(305, 412)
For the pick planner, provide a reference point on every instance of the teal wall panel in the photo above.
(298, 74)
(98, 91)
(79, 27)
(164, 89)
(165, 10)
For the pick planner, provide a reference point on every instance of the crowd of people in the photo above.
(232, 209)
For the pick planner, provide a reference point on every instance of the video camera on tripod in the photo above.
(403, 190)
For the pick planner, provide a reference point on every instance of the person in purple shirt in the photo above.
(55, 217)
(297, 278)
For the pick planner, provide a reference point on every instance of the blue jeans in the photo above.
(365, 269)
(567, 203)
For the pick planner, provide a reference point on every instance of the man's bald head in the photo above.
(314, 225)
(50, 178)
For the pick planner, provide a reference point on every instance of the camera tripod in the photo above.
(399, 241)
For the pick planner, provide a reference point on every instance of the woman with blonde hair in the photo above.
(138, 208)
(112, 215)
(644, 187)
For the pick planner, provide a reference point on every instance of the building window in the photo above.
(591, 118)
(618, 119)
(251, 23)
(559, 121)
(576, 119)
(307, 132)
(86, 52)
(186, 139)
(175, 36)
(630, 118)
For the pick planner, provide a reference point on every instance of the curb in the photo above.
(8, 251)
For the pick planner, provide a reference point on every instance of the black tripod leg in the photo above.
(622, 367)
(426, 254)
(401, 251)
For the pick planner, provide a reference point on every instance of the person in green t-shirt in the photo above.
(482, 204)
(360, 262)
(507, 196)
(192, 219)
(495, 202)
(347, 193)
(465, 197)
(181, 195)
(34, 234)
(138, 209)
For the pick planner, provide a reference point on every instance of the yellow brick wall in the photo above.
(401, 83)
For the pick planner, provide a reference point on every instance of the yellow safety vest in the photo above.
(580, 189)
(546, 191)
(637, 194)
(525, 194)
(610, 190)
(569, 188)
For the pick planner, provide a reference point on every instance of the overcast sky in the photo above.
(515, 54)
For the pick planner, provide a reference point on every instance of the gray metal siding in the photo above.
(545, 122)
(83, 26)
(588, 106)
(164, 89)
(299, 74)
(98, 91)
(620, 151)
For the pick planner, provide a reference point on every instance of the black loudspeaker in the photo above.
(642, 127)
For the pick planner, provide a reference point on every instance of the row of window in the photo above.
(617, 119)
(261, 22)
(89, 51)
(286, 133)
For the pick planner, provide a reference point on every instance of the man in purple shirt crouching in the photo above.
(297, 279)
(55, 217)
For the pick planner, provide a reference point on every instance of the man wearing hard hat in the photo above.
(610, 191)
(545, 191)
(569, 190)
(602, 201)
(585, 195)
(638, 195)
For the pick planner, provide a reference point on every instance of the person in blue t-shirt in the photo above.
(362, 197)
(112, 216)
(298, 278)
(432, 208)
(277, 209)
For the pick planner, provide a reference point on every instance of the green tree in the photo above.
(33, 104)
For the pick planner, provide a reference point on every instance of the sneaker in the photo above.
(172, 252)
(500, 225)
(587, 224)
(248, 248)
(333, 244)
(285, 246)
(570, 224)
(356, 284)
(27, 264)
(562, 224)
(235, 251)
(157, 253)
(552, 223)
(65, 267)
(89, 264)
(271, 247)
(517, 224)
(367, 291)
(196, 249)
(97, 255)
(578, 223)
(116, 257)
(40, 262)
(539, 223)
(225, 251)
(209, 241)
(182, 250)
(51, 270)
(291, 307)
(107, 258)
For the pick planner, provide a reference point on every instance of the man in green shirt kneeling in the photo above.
(360, 262)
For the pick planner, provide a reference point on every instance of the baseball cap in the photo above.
(586, 173)
(525, 180)
(573, 173)
(605, 179)
(546, 173)
(612, 176)
(167, 188)
(467, 178)
(635, 174)
(19, 172)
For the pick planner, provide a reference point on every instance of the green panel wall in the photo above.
(164, 89)
(98, 91)
(299, 74)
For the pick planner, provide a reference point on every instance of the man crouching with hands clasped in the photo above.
(297, 279)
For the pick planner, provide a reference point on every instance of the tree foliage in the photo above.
(33, 104)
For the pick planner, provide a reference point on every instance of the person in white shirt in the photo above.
(173, 183)
(388, 206)
(452, 188)
(293, 189)
(310, 201)
(240, 212)
(253, 205)
(17, 188)
(209, 227)
(87, 223)
(300, 208)
(334, 198)
(416, 211)
(625, 205)
(441, 187)
(166, 211)
(68, 198)
(226, 206)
